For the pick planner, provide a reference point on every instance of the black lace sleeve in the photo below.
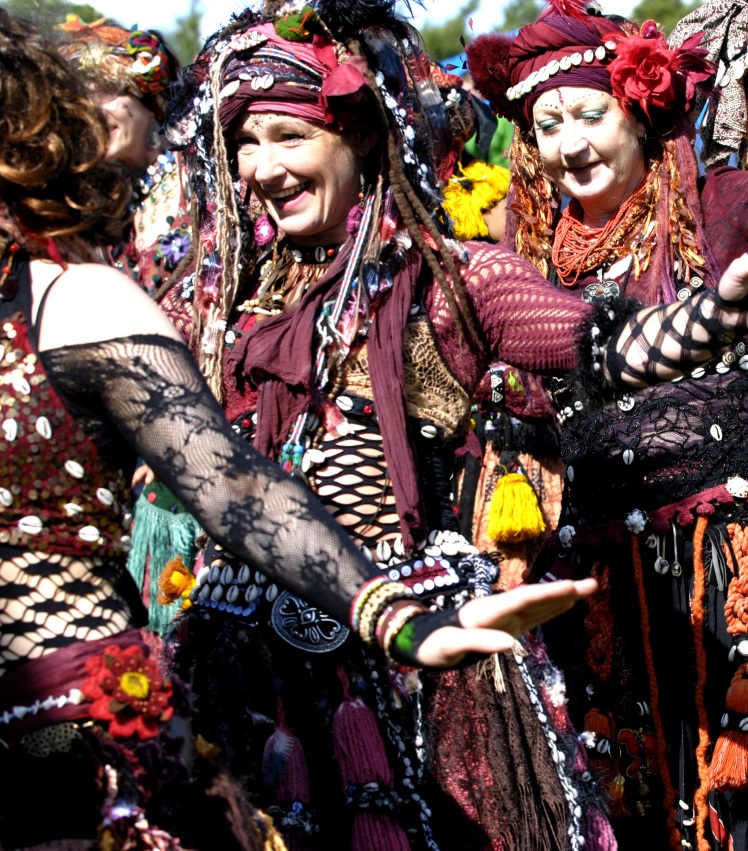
(150, 388)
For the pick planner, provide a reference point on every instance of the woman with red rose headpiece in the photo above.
(607, 203)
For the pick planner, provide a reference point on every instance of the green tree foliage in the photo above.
(667, 13)
(444, 40)
(185, 39)
(517, 13)
(46, 13)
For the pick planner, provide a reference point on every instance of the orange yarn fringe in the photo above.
(729, 768)
(700, 801)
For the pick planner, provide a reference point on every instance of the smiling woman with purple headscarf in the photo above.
(345, 330)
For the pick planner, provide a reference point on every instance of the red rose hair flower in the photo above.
(648, 73)
(128, 691)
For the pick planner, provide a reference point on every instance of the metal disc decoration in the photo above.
(600, 291)
(305, 626)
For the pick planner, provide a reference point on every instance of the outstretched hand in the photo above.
(733, 285)
(491, 624)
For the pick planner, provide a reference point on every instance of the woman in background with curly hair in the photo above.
(655, 490)
(97, 751)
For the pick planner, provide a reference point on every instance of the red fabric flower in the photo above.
(648, 73)
(128, 691)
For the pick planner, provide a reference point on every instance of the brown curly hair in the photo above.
(54, 181)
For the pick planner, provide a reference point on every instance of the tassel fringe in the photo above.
(514, 515)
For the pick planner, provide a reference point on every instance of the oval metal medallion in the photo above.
(304, 626)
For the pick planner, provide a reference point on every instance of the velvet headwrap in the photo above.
(557, 50)
(299, 78)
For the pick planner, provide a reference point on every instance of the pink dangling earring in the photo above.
(264, 230)
(353, 221)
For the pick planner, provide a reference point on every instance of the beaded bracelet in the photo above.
(358, 601)
(375, 603)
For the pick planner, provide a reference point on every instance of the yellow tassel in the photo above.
(514, 514)
(472, 191)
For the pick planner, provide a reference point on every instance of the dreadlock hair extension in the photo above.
(669, 798)
(228, 235)
(680, 225)
(701, 806)
(536, 202)
(414, 214)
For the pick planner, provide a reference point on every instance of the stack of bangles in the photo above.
(383, 613)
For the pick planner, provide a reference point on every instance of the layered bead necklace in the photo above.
(578, 249)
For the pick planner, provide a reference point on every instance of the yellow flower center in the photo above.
(135, 684)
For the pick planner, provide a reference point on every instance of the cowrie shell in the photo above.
(10, 427)
(90, 534)
(105, 496)
(71, 509)
(20, 385)
(245, 575)
(227, 575)
(316, 456)
(570, 473)
(429, 431)
(6, 497)
(716, 432)
(44, 427)
(628, 457)
(345, 403)
(232, 595)
(252, 593)
(384, 551)
(228, 90)
(271, 593)
(75, 469)
(30, 525)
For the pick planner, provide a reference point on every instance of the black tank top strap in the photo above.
(18, 299)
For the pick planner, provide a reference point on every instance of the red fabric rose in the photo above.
(648, 73)
(643, 72)
(128, 691)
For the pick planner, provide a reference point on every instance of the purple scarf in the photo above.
(277, 358)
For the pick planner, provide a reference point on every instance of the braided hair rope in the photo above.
(674, 839)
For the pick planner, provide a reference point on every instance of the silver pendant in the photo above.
(600, 291)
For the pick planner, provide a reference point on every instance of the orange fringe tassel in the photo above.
(729, 768)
